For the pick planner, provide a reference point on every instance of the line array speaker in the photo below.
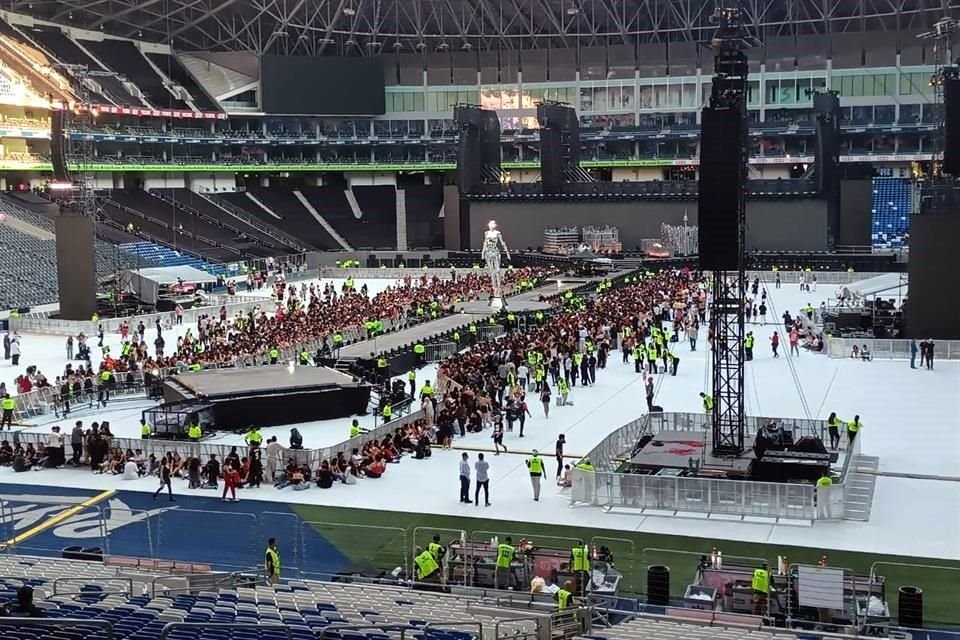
(722, 142)
(951, 128)
(58, 152)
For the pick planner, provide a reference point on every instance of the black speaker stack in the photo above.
(58, 151)
(826, 108)
(559, 146)
(722, 153)
(951, 126)
(478, 153)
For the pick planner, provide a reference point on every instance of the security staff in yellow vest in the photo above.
(254, 438)
(412, 379)
(387, 412)
(271, 562)
(194, 432)
(356, 429)
(652, 357)
(535, 466)
(274, 355)
(145, 429)
(456, 337)
(337, 342)
(504, 568)
(383, 369)
(564, 596)
(823, 495)
(833, 427)
(853, 428)
(761, 589)
(748, 346)
(427, 391)
(437, 550)
(8, 404)
(103, 389)
(419, 354)
(473, 333)
(707, 402)
(428, 569)
(304, 357)
(580, 566)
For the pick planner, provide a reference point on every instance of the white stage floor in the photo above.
(910, 419)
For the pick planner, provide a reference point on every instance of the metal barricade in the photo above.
(74, 624)
(624, 559)
(285, 528)
(262, 629)
(331, 548)
(60, 521)
(453, 573)
(488, 332)
(439, 351)
(225, 541)
(684, 566)
(938, 584)
(889, 349)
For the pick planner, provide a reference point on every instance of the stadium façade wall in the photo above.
(787, 225)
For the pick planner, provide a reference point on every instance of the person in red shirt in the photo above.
(231, 480)
(775, 343)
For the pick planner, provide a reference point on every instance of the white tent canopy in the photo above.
(146, 283)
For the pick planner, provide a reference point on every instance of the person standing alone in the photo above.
(483, 481)
(535, 465)
(464, 479)
(775, 344)
(272, 562)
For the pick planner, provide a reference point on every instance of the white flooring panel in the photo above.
(911, 421)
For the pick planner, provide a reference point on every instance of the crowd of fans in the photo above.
(491, 380)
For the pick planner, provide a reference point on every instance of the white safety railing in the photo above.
(43, 323)
(202, 450)
(823, 277)
(694, 494)
(890, 349)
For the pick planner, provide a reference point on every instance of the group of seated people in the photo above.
(368, 461)
(861, 353)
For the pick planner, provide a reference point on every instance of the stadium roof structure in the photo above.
(363, 27)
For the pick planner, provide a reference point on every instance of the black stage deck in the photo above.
(270, 395)
(674, 449)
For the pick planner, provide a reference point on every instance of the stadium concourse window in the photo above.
(913, 84)
(400, 101)
(608, 98)
(861, 84)
(792, 90)
(447, 100)
(533, 95)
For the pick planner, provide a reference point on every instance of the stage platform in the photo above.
(270, 395)
(674, 449)
(468, 312)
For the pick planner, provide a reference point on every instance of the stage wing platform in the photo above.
(674, 450)
(270, 395)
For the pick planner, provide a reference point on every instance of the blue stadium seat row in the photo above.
(167, 257)
(892, 207)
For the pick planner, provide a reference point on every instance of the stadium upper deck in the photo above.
(635, 74)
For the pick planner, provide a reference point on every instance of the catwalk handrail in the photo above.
(890, 348)
(58, 622)
(312, 457)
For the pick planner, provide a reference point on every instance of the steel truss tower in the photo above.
(729, 99)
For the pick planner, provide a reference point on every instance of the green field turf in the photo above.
(384, 548)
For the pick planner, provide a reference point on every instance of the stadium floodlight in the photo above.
(350, 42)
(349, 10)
(421, 46)
(573, 9)
(443, 46)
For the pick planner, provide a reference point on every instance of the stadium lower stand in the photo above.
(892, 207)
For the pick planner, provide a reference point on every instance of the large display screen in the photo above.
(327, 86)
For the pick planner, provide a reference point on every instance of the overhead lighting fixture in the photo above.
(573, 10)
(443, 46)
(374, 43)
(398, 45)
(421, 46)
(326, 40)
(280, 33)
(303, 36)
(466, 46)
(349, 10)
(351, 42)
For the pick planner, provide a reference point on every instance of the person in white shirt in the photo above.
(482, 468)
(130, 470)
(55, 455)
(465, 479)
(523, 372)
